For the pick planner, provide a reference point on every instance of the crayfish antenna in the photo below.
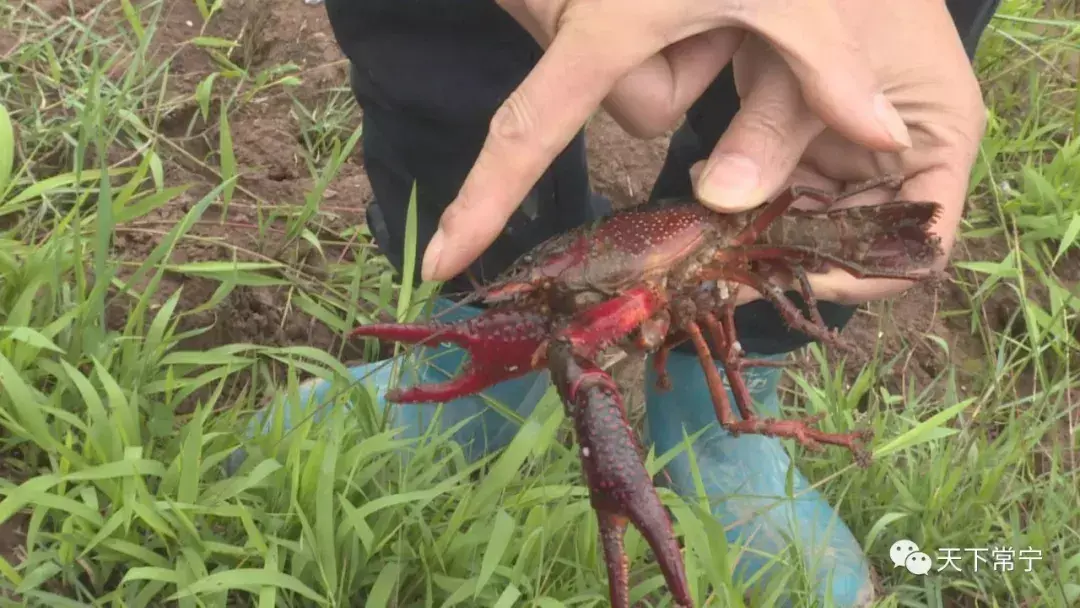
(413, 333)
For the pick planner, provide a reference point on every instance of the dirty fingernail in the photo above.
(431, 256)
(892, 122)
(731, 183)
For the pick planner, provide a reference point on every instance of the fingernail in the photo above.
(889, 118)
(431, 256)
(731, 183)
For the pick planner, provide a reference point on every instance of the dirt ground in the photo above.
(268, 149)
(268, 146)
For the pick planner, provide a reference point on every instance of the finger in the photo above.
(527, 132)
(944, 184)
(803, 175)
(837, 83)
(649, 100)
(761, 146)
(747, 294)
(525, 18)
(833, 155)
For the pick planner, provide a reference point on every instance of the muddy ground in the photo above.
(268, 149)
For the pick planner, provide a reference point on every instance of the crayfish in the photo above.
(647, 279)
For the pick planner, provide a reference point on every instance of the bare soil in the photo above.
(269, 154)
(268, 148)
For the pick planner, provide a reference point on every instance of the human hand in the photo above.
(650, 61)
(931, 83)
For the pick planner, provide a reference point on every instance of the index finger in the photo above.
(536, 123)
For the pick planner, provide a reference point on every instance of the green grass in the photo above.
(114, 433)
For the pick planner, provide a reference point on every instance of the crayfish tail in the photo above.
(891, 240)
(920, 214)
(899, 235)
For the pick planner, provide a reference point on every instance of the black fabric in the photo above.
(430, 73)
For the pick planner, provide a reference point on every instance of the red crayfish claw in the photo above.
(501, 345)
(620, 488)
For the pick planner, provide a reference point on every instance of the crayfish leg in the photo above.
(663, 378)
(776, 295)
(883, 181)
(671, 341)
(620, 488)
(730, 358)
(724, 336)
(815, 327)
(720, 400)
(807, 292)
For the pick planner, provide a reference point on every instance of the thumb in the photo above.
(760, 148)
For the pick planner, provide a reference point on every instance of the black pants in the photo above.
(429, 74)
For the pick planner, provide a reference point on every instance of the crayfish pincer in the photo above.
(648, 279)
